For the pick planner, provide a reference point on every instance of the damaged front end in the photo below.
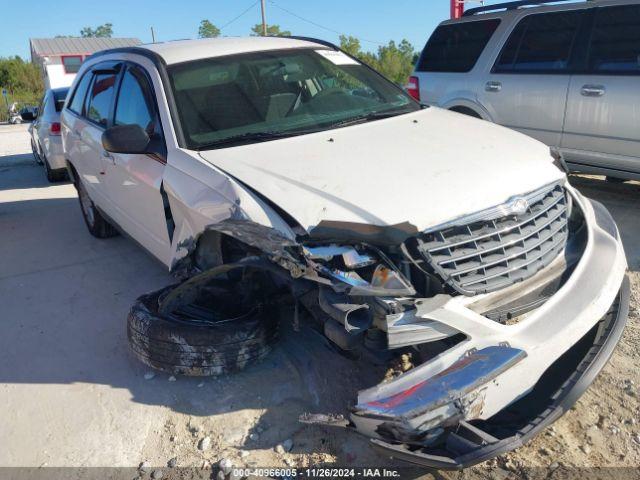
(508, 313)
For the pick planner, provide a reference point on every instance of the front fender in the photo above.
(200, 195)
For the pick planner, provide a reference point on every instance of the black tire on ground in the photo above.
(97, 225)
(614, 179)
(179, 345)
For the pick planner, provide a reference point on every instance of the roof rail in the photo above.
(509, 6)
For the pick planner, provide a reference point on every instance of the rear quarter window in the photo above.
(456, 47)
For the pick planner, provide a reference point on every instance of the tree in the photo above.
(396, 61)
(22, 80)
(272, 31)
(208, 30)
(351, 45)
(103, 31)
(18, 76)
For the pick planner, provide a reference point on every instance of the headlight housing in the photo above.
(359, 269)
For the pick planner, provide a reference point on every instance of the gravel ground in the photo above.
(88, 403)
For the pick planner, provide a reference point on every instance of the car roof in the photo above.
(187, 50)
(498, 11)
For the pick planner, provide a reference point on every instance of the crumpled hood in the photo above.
(424, 168)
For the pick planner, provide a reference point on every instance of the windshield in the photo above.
(264, 95)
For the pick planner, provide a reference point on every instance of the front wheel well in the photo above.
(466, 111)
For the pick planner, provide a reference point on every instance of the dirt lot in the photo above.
(72, 395)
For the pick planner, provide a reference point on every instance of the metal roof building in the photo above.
(60, 58)
(76, 45)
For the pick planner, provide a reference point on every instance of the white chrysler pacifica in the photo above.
(266, 170)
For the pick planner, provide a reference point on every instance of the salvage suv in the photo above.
(271, 170)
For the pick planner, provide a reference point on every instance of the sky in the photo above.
(374, 22)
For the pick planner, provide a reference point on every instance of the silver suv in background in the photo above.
(567, 75)
(46, 142)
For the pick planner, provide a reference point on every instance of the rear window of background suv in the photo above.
(456, 47)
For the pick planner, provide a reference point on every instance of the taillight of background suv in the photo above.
(413, 87)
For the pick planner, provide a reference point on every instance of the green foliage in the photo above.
(394, 61)
(351, 45)
(22, 81)
(18, 76)
(208, 30)
(272, 31)
(104, 31)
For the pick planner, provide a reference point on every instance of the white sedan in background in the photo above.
(46, 140)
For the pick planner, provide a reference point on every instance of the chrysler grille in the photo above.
(484, 255)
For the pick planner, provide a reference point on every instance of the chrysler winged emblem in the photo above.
(518, 205)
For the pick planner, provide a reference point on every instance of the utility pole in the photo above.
(153, 36)
(264, 19)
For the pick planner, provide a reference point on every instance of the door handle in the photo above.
(106, 155)
(592, 90)
(493, 86)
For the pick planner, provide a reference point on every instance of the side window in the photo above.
(615, 41)
(100, 98)
(134, 105)
(510, 50)
(456, 47)
(540, 43)
(75, 105)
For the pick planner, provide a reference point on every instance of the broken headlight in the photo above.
(359, 270)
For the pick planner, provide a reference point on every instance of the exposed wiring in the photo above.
(318, 25)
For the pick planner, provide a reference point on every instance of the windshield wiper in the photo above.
(371, 116)
(251, 137)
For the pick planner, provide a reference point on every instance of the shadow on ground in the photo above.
(25, 162)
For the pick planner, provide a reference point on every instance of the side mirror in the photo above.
(126, 139)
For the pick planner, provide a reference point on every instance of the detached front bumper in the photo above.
(502, 385)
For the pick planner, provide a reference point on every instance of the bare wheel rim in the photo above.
(86, 203)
